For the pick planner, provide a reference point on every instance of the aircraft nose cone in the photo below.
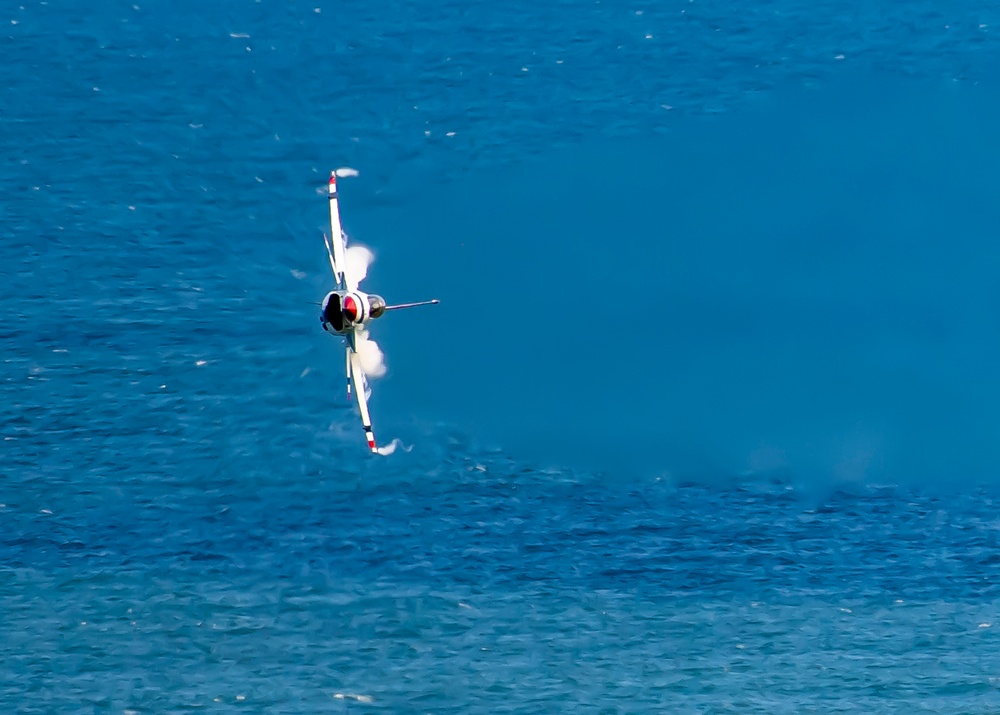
(350, 308)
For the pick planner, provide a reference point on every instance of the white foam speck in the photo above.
(199, 363)
(353, 696)
(240, 698)
(450, 134)
(45, 511)
(240, 35)
(300, 275)
(985, 625)
(346, 171)
(304, 372)
(839, 57)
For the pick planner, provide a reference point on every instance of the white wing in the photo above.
(336, 245)
(361, 393)
(350, 265)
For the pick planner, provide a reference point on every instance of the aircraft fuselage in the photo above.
(345, 310)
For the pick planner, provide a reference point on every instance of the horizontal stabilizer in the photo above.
(412, 305)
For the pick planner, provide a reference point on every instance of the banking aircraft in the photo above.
(347, 310)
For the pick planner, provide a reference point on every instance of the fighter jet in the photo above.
(347, 309)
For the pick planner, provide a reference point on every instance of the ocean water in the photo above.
(704, 423)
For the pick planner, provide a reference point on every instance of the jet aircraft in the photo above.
(347, 309)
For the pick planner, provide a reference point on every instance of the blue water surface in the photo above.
(704, 422)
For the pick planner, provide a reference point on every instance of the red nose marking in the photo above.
(350, 309)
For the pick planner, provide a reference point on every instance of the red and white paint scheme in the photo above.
(347, 309)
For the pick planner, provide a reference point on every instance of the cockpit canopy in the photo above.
(333, 312)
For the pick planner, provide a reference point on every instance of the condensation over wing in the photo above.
(336, 246)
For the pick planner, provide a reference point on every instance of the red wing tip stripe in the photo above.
(333, 177)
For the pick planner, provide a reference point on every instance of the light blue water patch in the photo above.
(806, 286)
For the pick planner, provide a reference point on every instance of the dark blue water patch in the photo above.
(483, 533)
(506, 586)
(437, 87)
